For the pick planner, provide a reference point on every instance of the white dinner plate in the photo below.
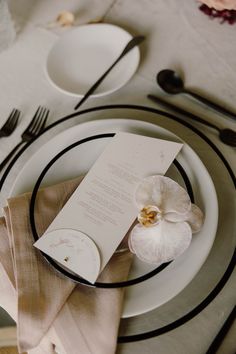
(81, 56)
(159, 289)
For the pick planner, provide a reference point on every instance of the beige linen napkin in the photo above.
(49, 309)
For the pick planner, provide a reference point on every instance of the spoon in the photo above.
(227, 136)
(172, 83)
(130, 45)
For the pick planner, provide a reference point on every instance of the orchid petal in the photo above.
(161, 243)
(175, 198)
(176, 217)
(144, 194)
(195, 218)
(163, 192)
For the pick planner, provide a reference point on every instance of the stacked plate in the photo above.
(78, 160)
(183, 281)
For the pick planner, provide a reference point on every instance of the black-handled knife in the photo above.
(130, 45)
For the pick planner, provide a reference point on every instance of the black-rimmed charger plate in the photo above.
(232, 261)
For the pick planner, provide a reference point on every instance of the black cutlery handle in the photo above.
(211, 104)
(181, 111)
(97, 83)
(9, 156)
(129, 46)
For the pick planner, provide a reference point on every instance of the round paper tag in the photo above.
(76, 251)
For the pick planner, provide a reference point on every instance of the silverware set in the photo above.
(35, 127)
(171, 83)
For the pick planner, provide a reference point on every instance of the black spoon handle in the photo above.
(211, 104)
(181, 111)
(131, 44)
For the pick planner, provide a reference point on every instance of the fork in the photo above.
(34, 128)
(10, 124)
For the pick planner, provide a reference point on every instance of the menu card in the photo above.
(95, 219)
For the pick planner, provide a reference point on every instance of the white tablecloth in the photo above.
(178, 36)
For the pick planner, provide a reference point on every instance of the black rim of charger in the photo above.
(225, 277)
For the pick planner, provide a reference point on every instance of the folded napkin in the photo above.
(50, 310)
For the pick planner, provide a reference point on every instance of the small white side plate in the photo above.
(81, 56)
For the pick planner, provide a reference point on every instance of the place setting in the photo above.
(120, 214)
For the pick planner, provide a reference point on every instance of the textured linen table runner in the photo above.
(82, 319)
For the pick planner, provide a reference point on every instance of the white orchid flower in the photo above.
(167, 219)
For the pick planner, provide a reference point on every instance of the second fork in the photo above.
(34, 128)
(11, 124)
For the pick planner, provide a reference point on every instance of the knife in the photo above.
(130, 45)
